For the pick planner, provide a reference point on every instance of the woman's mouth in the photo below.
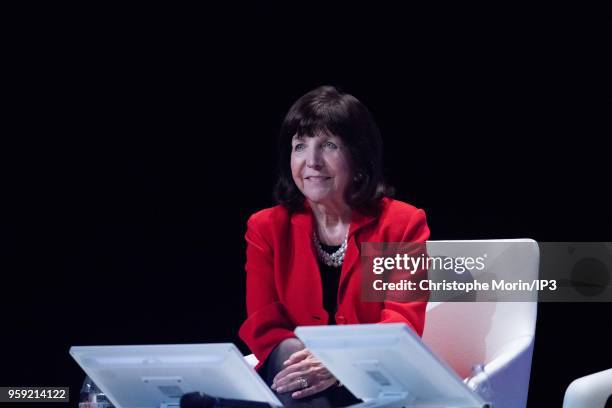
(317, 179)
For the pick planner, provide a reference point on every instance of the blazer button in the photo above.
(340, 319)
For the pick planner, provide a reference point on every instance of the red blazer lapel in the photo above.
(304, 271)
(353, 250)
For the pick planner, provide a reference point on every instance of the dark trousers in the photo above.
(333, 396)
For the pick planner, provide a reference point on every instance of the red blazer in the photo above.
(283, 278)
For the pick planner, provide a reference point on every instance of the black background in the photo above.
(137, 142)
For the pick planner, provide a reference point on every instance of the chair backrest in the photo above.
(468, 333)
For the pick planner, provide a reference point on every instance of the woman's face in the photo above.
(320, 166)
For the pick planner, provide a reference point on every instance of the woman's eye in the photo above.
(298, 147)
(330, 145)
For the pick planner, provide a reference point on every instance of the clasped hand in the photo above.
(303, 375)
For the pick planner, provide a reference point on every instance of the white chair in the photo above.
(499, 335)
(592, 391)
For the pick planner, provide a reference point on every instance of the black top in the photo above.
(330, 279)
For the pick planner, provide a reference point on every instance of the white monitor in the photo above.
(157, 376)
(387, 365)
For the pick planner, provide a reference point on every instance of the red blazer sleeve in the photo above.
(267, 323)
(411, 313)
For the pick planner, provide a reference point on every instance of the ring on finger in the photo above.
(303, 382)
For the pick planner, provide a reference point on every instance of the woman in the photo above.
(303, 255)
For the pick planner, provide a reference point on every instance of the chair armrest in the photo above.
(589, 391)
(508, 374)
(509, 355)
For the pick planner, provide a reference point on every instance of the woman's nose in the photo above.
(314, 159)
